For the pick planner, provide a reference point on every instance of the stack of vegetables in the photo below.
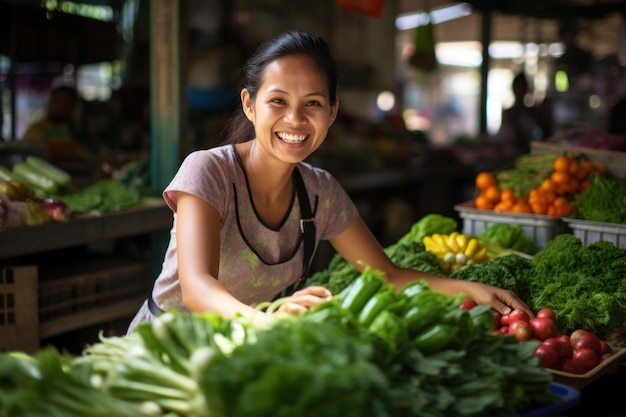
(369, 351)
(36, 191)
(537, 184)
(585, 285)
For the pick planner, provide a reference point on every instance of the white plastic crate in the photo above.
(590, 231)
(540, 229)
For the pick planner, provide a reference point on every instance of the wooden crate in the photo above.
(19, 320)
(614, 161)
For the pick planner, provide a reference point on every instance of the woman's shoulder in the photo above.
(318, 178)
(222, 157)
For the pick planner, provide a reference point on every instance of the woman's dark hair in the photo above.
(239, 128)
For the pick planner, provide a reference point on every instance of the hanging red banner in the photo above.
(372, 8)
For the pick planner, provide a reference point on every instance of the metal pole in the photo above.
(484, 69)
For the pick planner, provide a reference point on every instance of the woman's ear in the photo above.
(334, 111)
(246, 104)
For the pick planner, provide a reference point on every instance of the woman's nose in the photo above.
(296, 115)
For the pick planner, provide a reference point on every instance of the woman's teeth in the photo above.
(291, 138)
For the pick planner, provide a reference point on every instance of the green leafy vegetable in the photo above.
(584, 285)
(297, 369)
(509, 236)
(512, 272)
(603, 201)
(429, 225)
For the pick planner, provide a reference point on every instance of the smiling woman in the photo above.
(249, 214)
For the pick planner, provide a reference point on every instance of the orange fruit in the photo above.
(504, 206)
(507, 195)
(561, 163)
(547, 185)
(492, 194)
(483, 203)
(560, 177)
(485, 180)
(521, 206)
(539, 208)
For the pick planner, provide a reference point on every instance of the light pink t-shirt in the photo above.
(256, 261)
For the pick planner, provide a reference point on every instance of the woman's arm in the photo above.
(359, 247)
(198, 251)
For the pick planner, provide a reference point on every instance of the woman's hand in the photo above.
(305, 299)
(501, 300)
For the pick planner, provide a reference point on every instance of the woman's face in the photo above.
(291, 112)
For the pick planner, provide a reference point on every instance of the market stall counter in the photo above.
(79, 289)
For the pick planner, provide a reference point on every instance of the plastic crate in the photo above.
(36, 305)
(19, 321)
(570, 397)
(90, 293)
(590, 231)
(540, 229)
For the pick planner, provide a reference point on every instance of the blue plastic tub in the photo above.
(569, 398)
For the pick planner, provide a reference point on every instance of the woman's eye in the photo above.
(278, 100)
(314, 103)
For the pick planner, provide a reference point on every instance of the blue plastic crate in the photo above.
(569, 398)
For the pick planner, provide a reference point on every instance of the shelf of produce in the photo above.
(153, 215)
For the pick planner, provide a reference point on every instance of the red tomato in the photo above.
(605, 356)
(587, 340)
(564, 349)
(468, 305)
(521, 330)
(543, 328)
(587, 358)
(518, 315)
(576, 334)
(605, 348)
(564, 338)
(548, 356)
(504, 320)
(497, 322)
(572, 367)
(547, 313)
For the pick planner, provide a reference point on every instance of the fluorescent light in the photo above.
(413, 20)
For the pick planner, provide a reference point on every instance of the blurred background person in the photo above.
(522, 124)
(53, 136)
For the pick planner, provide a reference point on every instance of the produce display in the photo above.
(369, 351)
(537, 184)
(584, 285)
(36, 192)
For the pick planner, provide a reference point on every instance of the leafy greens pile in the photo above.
(603, 201)
(585, 285)
(369, 351)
